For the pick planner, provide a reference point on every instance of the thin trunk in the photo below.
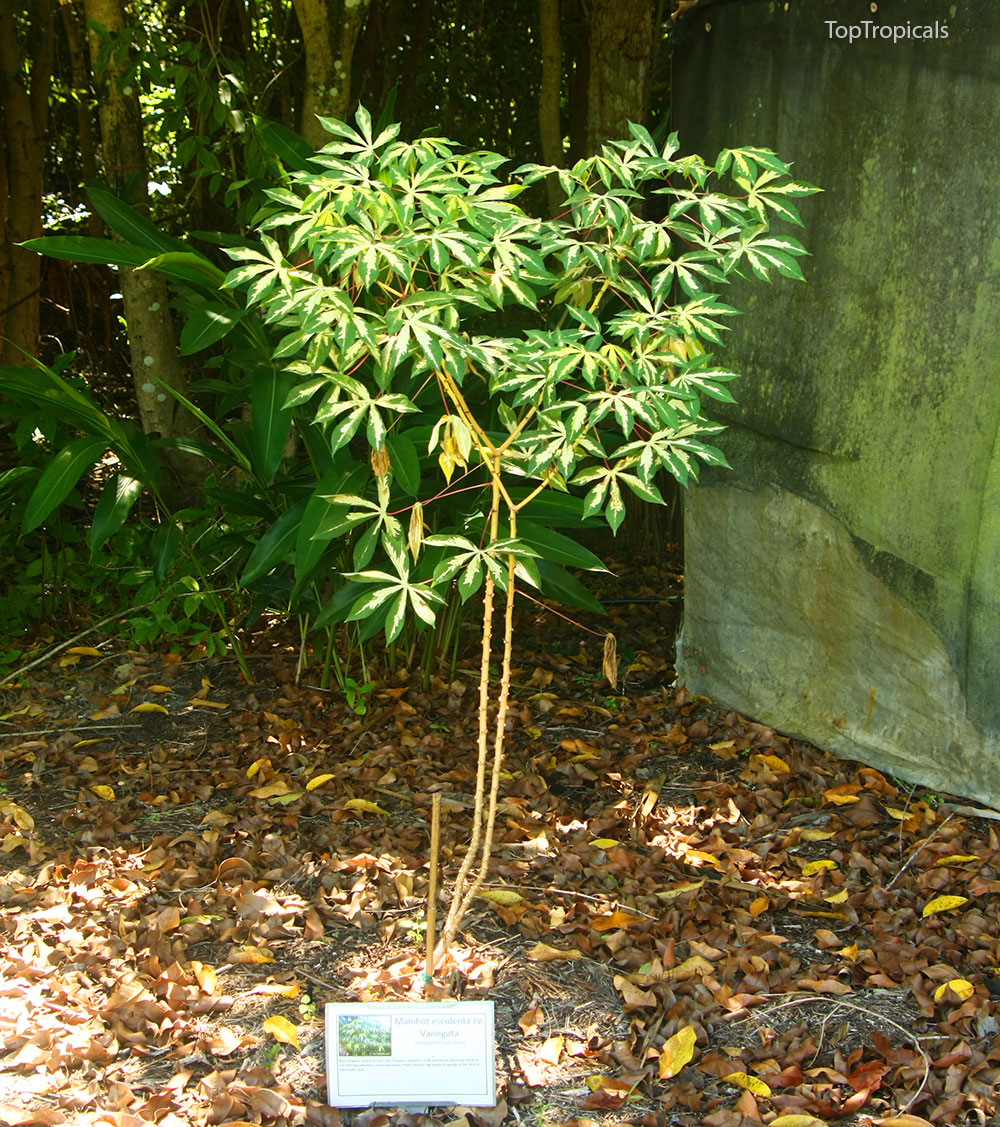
(82, 90)
(621, 46)
(550, 96)
(152, 346)
(330, 30)
(24, 103)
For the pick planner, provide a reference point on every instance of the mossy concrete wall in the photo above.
(843, 582)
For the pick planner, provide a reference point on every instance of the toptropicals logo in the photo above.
(869, 29)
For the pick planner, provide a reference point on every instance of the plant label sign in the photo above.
(399, 1053)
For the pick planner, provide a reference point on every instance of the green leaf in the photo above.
(270, 419)
(557, 583)
(275, 545)
(552, 545)
(165, 542)
(293, 150)
(405, 463)
(206, 325)
(83, 248)
(59, 478)
(128, 223)
(116, 501)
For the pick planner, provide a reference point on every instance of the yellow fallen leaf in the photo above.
(677, 1051)
(11, 842)
(960, 986)
(956, 859)
(797, 1120)
(605, 842)
(105, 792)
(149, 706)
(22, 819)
(619, 918)
(318, 781)
(721, 745)
(758, 906)
(943, 904)
(839, 797)
(85, 651)
(250, 955)
(895, 812)
(689, 886)
(123, 687)
(750, 1083)
(281, 1029)
(207, 978)
(700, 855)
(257, 765)
(775, 762)
(551, 1049)
(695, 965)
(543, 953)
(269, 790)
(503, 896)
(849, 952)
(904, 1120)
(365, 805)
(19, 711)
(286, 799)
(66, 662)
(87, 743)
(277, 989)
(837, 897)
(200, 702)
(159, 689)
(815, 835)
(818, 867)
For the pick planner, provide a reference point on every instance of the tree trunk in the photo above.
(153, 349)
(330, 30)
(550, 96)
(621, 44)
(24, 105)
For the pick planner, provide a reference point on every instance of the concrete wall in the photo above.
(843, 583)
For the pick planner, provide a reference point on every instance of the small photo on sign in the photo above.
(364, 1036)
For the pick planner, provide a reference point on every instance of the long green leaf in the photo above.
(271, 419)
(83, 248)
(125, 221)
(275, 544)
(59, 478)
(116, 501)
(552, 545)
(206, 325)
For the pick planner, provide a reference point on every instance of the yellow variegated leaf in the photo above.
(365, 805)
(105, 792)
(605, 842)
(751, 1083)
(670, 893)
(85, 651)
(960, 986)
(503, 896)
(318, 781)
(943, 904)
(818, 867)
(281, 1029)
(956, 859)
(677, 1051)
(149, 706)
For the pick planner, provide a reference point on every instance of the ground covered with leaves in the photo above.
(699, 922)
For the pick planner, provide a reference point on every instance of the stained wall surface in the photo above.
(843, 582)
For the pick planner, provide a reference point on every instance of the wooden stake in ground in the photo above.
(432, 892)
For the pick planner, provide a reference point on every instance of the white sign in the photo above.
(393, 1053)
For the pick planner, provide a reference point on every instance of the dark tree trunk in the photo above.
(621, 48)
(25, 74)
